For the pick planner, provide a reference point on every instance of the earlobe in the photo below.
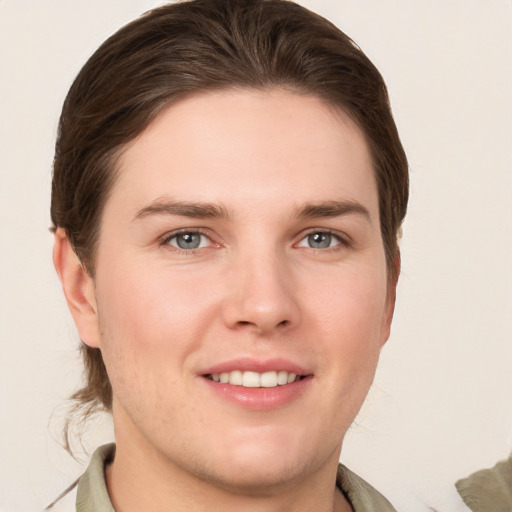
(78, 287)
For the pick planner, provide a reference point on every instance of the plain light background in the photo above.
(441, 404)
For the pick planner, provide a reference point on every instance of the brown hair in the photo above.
(196, 46)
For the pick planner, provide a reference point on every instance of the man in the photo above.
(228, 188)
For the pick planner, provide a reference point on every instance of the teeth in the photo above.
(236, 378)
(282, 378)
(251, 380)
(268, 380)
(255, 379)
(291, 377)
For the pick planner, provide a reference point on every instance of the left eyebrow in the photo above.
(333, 209)
(182, 209)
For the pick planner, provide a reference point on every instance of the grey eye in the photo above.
(188, 240)
(319, 240)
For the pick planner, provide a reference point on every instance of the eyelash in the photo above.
(343, 241)
(164, 241)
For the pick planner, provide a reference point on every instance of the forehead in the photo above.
(261, 146)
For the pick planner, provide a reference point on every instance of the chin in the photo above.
(256, 468)
(255, 477)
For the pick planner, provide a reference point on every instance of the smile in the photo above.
(250, 379)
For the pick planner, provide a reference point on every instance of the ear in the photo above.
(389, 309)
(78, 287)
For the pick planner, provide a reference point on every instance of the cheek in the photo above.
(141, 342)
(151, 316)
(353, 302)
(349, 317)
(148, 302)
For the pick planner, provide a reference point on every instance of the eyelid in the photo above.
(343, 238)
(164, 239)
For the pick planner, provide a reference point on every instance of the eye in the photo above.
(188, 240)
(320, 240)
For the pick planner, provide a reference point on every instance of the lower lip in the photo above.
(260, 399)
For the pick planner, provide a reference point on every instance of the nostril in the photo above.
(245, 323)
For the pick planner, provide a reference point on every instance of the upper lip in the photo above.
(256, 365)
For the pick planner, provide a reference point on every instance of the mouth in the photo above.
(251, 379)
(258, 385)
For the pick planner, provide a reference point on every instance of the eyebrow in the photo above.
(333, 209)
(183, 209)
(323, 209)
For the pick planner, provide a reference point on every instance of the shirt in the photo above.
(488, 490)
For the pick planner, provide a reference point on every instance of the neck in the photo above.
(131, 496)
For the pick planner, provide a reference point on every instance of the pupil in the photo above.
(319, 240)
(188, 241)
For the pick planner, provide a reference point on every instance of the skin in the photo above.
(257, 287)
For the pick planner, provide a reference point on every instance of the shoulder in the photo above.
(488, 488)
(362, 496)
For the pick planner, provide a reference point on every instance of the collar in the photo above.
(92, 494)
(360, 494)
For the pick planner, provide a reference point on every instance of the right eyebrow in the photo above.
(198, 210)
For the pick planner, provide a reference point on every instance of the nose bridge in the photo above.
(261, 292)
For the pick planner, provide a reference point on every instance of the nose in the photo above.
(261, 295)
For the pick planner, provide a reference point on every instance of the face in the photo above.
(241, 289)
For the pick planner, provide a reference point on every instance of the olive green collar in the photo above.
(92, 494)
